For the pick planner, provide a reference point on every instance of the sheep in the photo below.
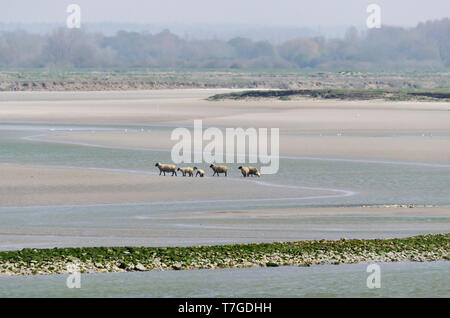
(253, 171)
(200, 172)
(163, 168)
(219, 169)
(244, 170)
(187, 170)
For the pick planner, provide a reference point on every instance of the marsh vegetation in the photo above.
(30, 261)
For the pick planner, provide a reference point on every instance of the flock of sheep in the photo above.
(163, 168)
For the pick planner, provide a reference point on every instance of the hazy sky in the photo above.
(256, 12)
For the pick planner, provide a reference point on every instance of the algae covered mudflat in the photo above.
(302, 253)
(340, 94)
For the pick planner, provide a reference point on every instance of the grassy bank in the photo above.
(144, 79)
(302, 253)
(342, 94)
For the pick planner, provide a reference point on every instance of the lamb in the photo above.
(163, 168)
(253, 171)
(187, 170)
(200, 172)
(245, 171)
(219, 169)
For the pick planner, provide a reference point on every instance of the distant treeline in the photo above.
(425, 47)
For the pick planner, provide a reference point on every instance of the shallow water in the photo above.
(320, 182)
(370, 182)
(429, 279)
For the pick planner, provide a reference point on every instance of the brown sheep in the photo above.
(187, 170)
(219, 169)
(200, 172)
(163, 168)
(244, 170)
(253, 171)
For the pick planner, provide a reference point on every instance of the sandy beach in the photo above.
(411, 131)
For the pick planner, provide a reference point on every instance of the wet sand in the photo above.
(409, 131)
(178, 107)
(62, 207)
(426, 148)
(43, 205)
(28, 185)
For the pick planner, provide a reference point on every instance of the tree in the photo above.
(302, 51)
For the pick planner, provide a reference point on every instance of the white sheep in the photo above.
(244, 170)
(187, 170)
(253, 171)
(219, 169)
(200, 172)
(163, 168)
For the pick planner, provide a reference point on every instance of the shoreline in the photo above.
(431, 247)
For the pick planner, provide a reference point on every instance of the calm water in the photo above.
(373, 182)
(333, 183)
(345, 183)
(430, 279)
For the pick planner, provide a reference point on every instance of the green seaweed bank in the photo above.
(302, 253)
(339, 94)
